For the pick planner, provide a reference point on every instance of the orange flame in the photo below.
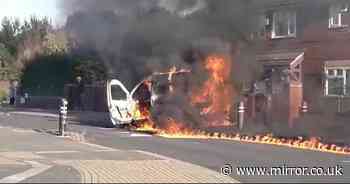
(219, 94)
(216, 91)
(176, 131)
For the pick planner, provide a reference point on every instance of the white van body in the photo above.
(125, 107)
(121, 104)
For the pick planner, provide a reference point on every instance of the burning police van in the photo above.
(135, 106)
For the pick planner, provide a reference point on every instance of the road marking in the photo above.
(23, 131)
(55, 152)
(104, 128)
(107, 150)
(5, 161)
(37, 169)
(36, 114)
(20, 155)
(156, 155)
(140, 135)
(103, 148)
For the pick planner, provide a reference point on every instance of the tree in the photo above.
(8, 70)
(56, 43)
(8, 34)
(4, 53)
(91, 71)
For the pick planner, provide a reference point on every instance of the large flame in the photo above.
(217, 92)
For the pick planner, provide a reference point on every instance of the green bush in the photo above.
(90, 70)
(47, 75)
(3, 95)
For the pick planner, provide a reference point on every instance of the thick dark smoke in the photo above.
(134, 38)
(137, 37)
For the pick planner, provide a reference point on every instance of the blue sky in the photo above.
(25, 8)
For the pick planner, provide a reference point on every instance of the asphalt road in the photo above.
(213, 154)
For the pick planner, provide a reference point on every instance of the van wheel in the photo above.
(121, 126)
(110, 126)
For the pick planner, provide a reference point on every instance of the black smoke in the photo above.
(137, 37)
(134, 38)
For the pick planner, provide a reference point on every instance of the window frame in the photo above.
(292, 19)
(345, 69)
(336, 9)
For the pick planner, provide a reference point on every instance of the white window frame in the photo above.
(337, 9)
(292, 17)
(344, 69)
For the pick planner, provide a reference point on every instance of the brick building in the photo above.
(305, 56)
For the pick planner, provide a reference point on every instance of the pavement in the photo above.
(83, 117)
(210, 155)
(33, 156)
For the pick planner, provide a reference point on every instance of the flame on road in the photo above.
(174, 131)
(218, 92)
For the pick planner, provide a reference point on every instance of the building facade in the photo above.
(305, 57)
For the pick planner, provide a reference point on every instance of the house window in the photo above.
(336, 13)
(284, 24)
(338, 82)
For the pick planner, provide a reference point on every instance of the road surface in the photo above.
(212, 154)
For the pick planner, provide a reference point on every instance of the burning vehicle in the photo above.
(169, 99)
(135, 107)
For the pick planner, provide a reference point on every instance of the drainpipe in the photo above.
(340, 103)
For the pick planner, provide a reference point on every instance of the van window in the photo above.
(142, 93)
(117, 93)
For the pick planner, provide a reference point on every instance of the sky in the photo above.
(23, 9)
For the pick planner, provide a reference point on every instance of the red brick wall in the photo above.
(320, 44)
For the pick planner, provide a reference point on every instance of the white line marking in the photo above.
(140, 135)
(55, 152)
(104, 128)
(107, 151)
(104, 148)
(156, 155)
(36, 114)
(37, 169)
(23, 131)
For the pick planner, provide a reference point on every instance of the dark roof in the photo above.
(337, 63)
(278, 58)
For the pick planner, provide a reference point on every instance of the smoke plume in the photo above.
(135, 38)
